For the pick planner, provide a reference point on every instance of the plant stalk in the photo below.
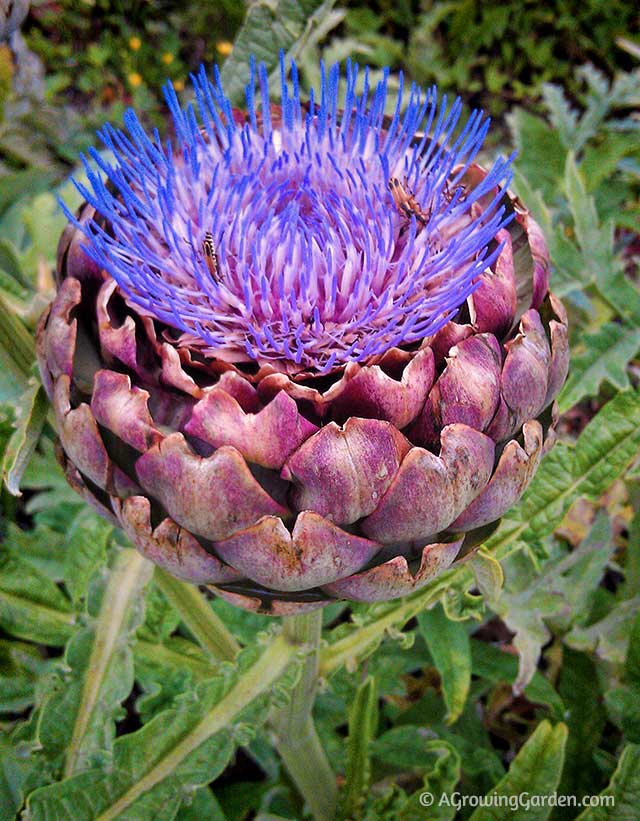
(195, 611)
(297, 740)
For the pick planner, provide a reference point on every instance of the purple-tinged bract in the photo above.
(276, 237)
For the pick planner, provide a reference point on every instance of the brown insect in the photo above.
(210, 256)
(449, 193)
(405, 201)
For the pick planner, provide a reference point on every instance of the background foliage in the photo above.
(521, 670)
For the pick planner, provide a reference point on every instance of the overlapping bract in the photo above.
(283, 488)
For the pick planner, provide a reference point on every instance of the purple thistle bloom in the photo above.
(275, 237)
(256, 250)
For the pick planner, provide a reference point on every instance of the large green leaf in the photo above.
(86, 550)
(181, 748)
(607, 638)
(499, 666)
(41, 547)
(585, 717)
(541, 155)
(559, 594)
(448, 643)
(605, 358)
(270, 26)
(605, 449)
(623, 701)
(439, 780)
(77, 718)
(31, 605)
(621, 800)
(31, 414)
(363, 723)
(595, 241)
(535, 771)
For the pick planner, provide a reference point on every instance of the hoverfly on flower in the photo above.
(405, 201)
(210, 256)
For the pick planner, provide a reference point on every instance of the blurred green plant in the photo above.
(515, 47)
(110, 53)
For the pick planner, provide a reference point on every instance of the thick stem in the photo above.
(297, 740)
(195, 611)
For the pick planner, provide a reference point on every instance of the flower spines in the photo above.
(316, 265)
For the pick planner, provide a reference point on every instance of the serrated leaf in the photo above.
(160, 618)
(622, 294)
(604, 450)
(31, 414)
(41, 547)
(536, 770)
(559, 595)
(595, 242)
(623, 702)
(440, 780)
(182, 748)
(601, 161)
(18, 776)
(622, 796)
(175, 654)
(607, 638)
(605, 358)
(585, 718)
(363, 722)
(568, 275)
(562, 116)
(32, 606)
(20, 667)
(270, 26)
(77, 718)
(166, 670)
(448, 643)
(541, 155)
(86, 550)
(488, 574)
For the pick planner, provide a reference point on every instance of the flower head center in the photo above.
(304, 236)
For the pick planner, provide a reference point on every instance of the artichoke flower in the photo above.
(307, 351)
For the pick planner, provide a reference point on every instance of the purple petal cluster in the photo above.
(274, 236)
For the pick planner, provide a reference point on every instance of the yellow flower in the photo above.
(167, 57)
(224, 47)
(178, 85)
(135, 43)
(134, 79)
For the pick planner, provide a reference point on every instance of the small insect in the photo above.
(449, 193)
(405, 201)
(210, 256)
